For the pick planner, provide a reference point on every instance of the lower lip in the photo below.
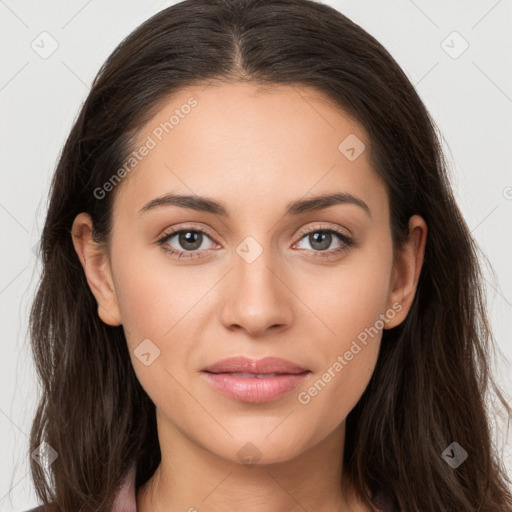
(253, 390)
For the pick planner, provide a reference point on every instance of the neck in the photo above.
(191, 478)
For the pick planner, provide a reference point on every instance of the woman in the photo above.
(321, 344)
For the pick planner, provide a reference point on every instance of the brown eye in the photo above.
(190, 240)
(187, 242)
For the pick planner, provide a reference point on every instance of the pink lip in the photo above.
(246, 365)
(254, 389)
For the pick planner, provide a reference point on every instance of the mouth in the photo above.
(254, 381)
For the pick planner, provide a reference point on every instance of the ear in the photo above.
(406, 271)
(96, 265)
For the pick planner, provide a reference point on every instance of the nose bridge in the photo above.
(253, 263)
(258, 298)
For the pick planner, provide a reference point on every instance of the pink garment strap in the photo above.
(125, 500)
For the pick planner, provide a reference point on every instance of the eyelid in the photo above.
(303, 231)
(322, 227)
(185, 227)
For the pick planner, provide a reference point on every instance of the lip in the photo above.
(246, 365)
(259, 388)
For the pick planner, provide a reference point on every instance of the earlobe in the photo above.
(95, 263)
(406, 271)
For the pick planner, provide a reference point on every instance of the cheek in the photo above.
(352, 305)
(141, 299)
(158, 303)
(349, 361)
(153, 295)
(151, 310)
(350, 297)
(333, 394)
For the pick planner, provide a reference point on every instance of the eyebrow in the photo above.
(208, 205)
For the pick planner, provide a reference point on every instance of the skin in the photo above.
(254, 149)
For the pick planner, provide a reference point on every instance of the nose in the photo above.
(257, 296)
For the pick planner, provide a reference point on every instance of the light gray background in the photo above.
(470, 98)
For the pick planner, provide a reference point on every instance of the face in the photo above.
(264, 277)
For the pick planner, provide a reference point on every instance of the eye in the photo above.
(321, 238)
(188, 240)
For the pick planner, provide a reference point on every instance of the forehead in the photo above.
(252, 145)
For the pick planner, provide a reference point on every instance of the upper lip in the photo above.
(261, 366)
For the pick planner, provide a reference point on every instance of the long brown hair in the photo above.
(432, 375)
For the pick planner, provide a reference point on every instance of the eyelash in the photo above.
(347, 242)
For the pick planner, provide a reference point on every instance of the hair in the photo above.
(432, 376)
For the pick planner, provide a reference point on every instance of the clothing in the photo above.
(125, 500)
